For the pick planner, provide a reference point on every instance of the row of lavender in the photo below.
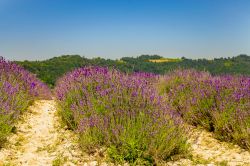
(218, 103)
(138, 118)
(18, 88)
(121, 114)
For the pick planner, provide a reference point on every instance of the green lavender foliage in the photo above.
(121, 113)
(218, 103)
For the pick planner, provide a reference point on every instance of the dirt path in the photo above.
(206, 150)
(40, 140)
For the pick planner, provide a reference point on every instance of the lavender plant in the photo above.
(18, 88)
(120, 113)
(220, 104)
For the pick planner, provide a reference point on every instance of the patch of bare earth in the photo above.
(41, 140)
(206, 150)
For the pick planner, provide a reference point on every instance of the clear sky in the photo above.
(41, 29)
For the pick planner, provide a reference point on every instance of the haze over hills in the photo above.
(51, 69)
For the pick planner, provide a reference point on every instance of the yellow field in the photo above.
(162, 60)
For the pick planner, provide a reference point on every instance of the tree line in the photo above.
(50, 70)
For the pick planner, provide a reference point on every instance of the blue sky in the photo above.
(41, 29)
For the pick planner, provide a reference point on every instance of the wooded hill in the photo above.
(49, 70)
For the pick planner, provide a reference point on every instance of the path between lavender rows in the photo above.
(41, 140)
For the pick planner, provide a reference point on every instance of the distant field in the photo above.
(162, 60)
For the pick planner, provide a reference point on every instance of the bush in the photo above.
(220, 104)
(121, 113)
(18, 88)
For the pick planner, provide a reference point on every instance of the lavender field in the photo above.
(220, 104)
(137, 118)
(18, 89)
(143, 118)
(125, 83)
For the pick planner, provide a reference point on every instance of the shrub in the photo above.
(220, 104)
(122, 113)
(18, 88)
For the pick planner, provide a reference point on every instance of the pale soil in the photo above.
(41, 140)
(206, 150)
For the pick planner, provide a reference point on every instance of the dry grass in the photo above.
(163, 60)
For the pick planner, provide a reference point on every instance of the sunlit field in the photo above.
(125, 83)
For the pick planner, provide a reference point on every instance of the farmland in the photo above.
(105, 115)
(124, 83)
(109, 109)
(163, 60)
